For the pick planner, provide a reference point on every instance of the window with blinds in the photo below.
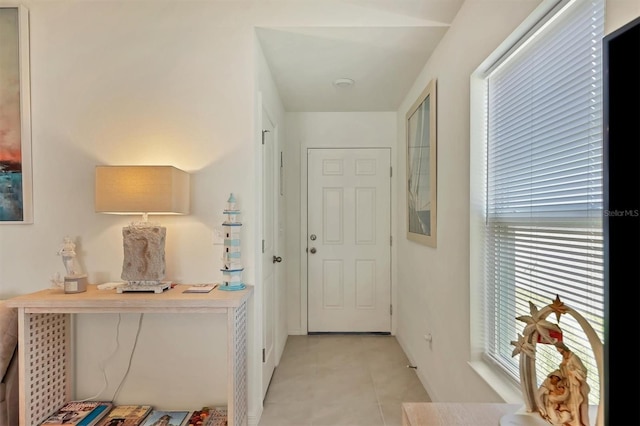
(543, 224)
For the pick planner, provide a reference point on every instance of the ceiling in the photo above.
(383, 61)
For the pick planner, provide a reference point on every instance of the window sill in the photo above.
(508, 391)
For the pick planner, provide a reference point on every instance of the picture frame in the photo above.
(421, 126)
(16, 202)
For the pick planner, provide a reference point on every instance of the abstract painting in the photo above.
(15, 125)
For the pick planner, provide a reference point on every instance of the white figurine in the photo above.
(68, 253)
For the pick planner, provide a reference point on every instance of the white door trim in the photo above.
(304, 323)
(269, 356)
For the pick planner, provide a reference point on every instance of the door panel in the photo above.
(349, 231)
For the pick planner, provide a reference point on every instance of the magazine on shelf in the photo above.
(200, 288)
(71, 413)
(166, 418)
(96, 414)
(125, 415)
(216, 416)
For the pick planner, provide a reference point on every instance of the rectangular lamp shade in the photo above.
(141, 189)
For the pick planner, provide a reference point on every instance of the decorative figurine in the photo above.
(574, 372)
(68, 253)
(232, 264)
(553, 395)
(563, 398)
(75, 281)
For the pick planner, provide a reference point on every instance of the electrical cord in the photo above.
(133, 350)
(102, 363)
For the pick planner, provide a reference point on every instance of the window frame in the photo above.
(496, 376)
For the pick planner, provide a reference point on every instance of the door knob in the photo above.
(312, 237)
(313, 250)
(277, 259)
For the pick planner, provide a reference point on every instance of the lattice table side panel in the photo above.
(240, 403)
(47, 376)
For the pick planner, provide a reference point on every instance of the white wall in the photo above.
(163, 82)
(123, 83)
(433, 284)
(135, 83)
(322, 130)
(172, 82)
(619, 13)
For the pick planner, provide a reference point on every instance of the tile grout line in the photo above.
(375, 390)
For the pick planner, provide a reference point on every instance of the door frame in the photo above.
(256, 332)
(264, 119)
(304, 282)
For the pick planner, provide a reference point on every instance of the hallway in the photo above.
(341, 380)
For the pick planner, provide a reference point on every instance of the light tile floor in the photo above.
(341, 380)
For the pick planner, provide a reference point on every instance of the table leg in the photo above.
(44, 355)
(237, 366)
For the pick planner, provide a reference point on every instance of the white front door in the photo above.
(349, 240)
(269, 226)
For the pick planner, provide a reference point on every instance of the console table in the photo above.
(45, 349)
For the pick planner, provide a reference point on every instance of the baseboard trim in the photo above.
(421, 376)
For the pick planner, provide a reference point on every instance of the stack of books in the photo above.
(79, 413)
(165, 417)
(126, 415)
(216, 416)
(105, 413)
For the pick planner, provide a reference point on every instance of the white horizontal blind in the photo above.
(544, 186)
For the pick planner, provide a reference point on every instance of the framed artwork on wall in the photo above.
(15, 120)
(421, 168)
